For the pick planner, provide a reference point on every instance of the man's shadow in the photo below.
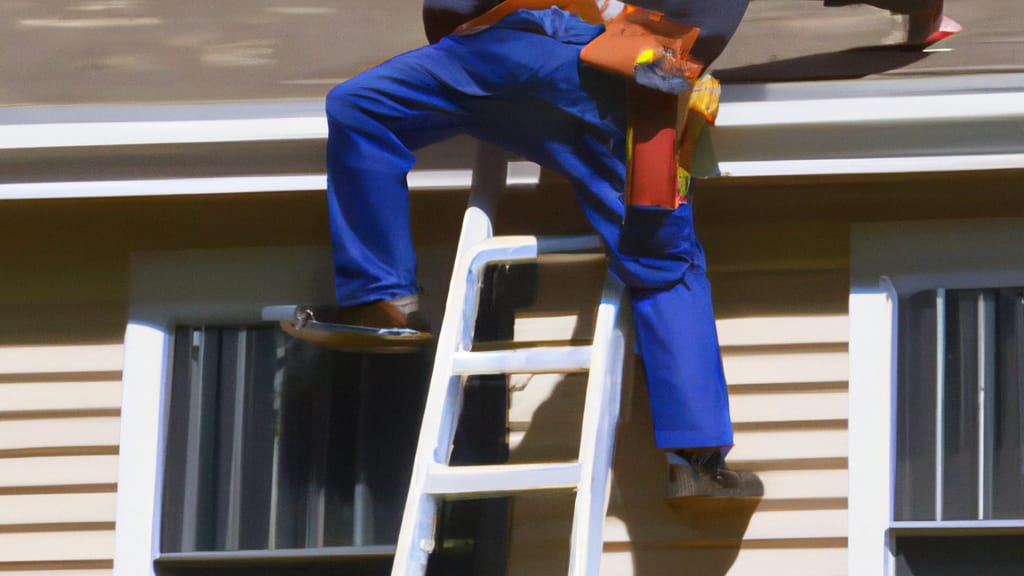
(687, 536)
(697, 536)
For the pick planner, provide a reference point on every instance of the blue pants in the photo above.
(519, 84)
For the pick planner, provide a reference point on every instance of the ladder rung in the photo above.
(548, 359)
(469, 481)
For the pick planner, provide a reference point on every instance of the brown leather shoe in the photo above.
(383, 326)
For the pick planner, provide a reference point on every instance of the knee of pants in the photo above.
(343, 106)
(657, 247)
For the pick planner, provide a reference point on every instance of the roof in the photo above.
(132, 99)
(63, 52)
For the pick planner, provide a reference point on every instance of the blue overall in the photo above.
(520, 85)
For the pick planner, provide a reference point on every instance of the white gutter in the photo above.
(861, 110)
(519, 174)
(790, 130)
(892, 165)
(136, 133)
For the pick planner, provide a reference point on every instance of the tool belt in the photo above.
(638, 37)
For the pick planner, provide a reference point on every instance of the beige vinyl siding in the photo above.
(83, 572)
(788, 389)
(59, 433)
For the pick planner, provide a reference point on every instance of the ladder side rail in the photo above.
(416, 538)
(600, 419)
(444, 395)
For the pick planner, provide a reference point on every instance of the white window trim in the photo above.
(889, 259)
(180, 288)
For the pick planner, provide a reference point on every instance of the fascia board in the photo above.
(872, 127)
(814, 129)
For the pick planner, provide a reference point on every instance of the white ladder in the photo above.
(433, 479)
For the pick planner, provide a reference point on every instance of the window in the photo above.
(958, 493)
(960, 406)
(274, 444)
(936, 409)
(283, 456)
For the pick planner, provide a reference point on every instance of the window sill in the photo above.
(956, 528)
(334, 554)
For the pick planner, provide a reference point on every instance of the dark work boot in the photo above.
(692, 474)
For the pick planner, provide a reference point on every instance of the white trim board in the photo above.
(887, 260)
(182, 287)
(763, 131)
(519, 174)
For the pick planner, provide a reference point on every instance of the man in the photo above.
(519, 83)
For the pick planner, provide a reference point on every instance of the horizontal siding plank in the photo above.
(59, 489)
(50, 527)
(783, 407)
(57, 546)
(60, 451)
(748, 562)
(789, 445)
(793, 484)
(791, 562)
(788, 367)
(48, 572)
(59, 471)
(793, 524)
(541, 328)
(60, 395)
(63, 414)
(46, 359)
(784, 330)
(57, 508)
(764, 525)
(49, 377)
(45, 433)
(96, 572)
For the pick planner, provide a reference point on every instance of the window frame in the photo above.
(226, 286)
(889, 260)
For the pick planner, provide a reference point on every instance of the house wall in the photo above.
(64, 300)
(778, 255)
(59, 417)
(779, 264)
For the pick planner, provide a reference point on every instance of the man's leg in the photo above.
(678, 342)
(375, 120)
(576, 132)
(571, 126)
(526, 92)
(461, 84)
(677, 337)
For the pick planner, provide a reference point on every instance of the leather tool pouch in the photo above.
(636, 30)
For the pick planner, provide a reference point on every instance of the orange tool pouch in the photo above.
(637, 37)
(636, 30)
